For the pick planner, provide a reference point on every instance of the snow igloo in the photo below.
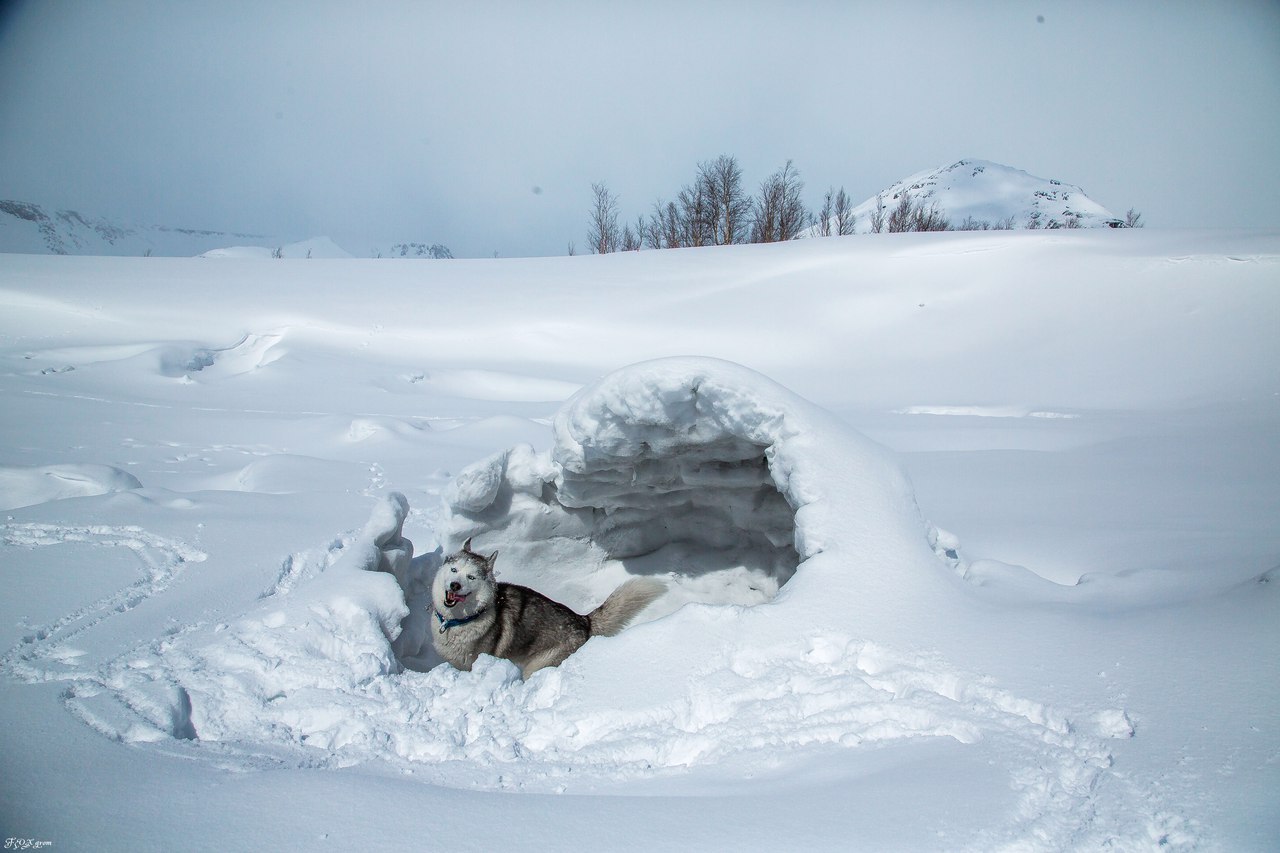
(672, 468)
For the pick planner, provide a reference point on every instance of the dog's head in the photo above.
(465, 582)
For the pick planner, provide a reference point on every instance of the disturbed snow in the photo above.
(697, 470)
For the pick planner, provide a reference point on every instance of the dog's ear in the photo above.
(489, 561)
(466, 546)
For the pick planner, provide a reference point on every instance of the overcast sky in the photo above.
(482, 125)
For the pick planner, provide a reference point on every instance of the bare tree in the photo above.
(664, 230)
(1133, 219)
(878, 215)
(900, 216)
(928, 218)
(653, 230)
(697, 227)
(836, 216)
(602, 233)
(633, 235)
(778, 210)
(846, 220)
(729, 207)
(910, 214)
(826, 213)
(630, 241)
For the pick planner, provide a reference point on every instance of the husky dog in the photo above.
(475, 614)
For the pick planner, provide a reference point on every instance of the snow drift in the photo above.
(29, 486)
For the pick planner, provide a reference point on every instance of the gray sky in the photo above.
(481, 125)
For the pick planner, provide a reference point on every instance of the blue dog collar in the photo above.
(446, 624)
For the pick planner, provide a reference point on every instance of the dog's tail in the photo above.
(623, 604)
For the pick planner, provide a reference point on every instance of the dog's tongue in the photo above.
(451, 600)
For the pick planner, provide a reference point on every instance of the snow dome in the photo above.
(670, 467)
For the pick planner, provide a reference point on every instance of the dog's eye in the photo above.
(471, 577)
(453, 569)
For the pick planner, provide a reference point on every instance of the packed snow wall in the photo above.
(665, 468)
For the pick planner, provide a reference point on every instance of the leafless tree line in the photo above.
(715, 210)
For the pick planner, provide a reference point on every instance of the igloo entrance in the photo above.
(654, 471)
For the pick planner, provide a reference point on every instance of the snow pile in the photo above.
(278, 672)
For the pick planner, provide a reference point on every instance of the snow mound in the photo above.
(29, 486)
(708, 474)
(252, 352)
(316, 247)
(670, 467)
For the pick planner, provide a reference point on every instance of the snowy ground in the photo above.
(987, 561)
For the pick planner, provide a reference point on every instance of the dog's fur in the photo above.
(475, 614)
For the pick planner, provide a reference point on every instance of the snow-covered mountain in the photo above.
(29, 228)
(980, 194)
(32, 229)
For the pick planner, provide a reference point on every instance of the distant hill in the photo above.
(31, 229)
(435, 251)
(317, 247)
(28, 228)
(980, 193)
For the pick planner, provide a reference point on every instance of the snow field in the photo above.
(311, 668)
(210, 607)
